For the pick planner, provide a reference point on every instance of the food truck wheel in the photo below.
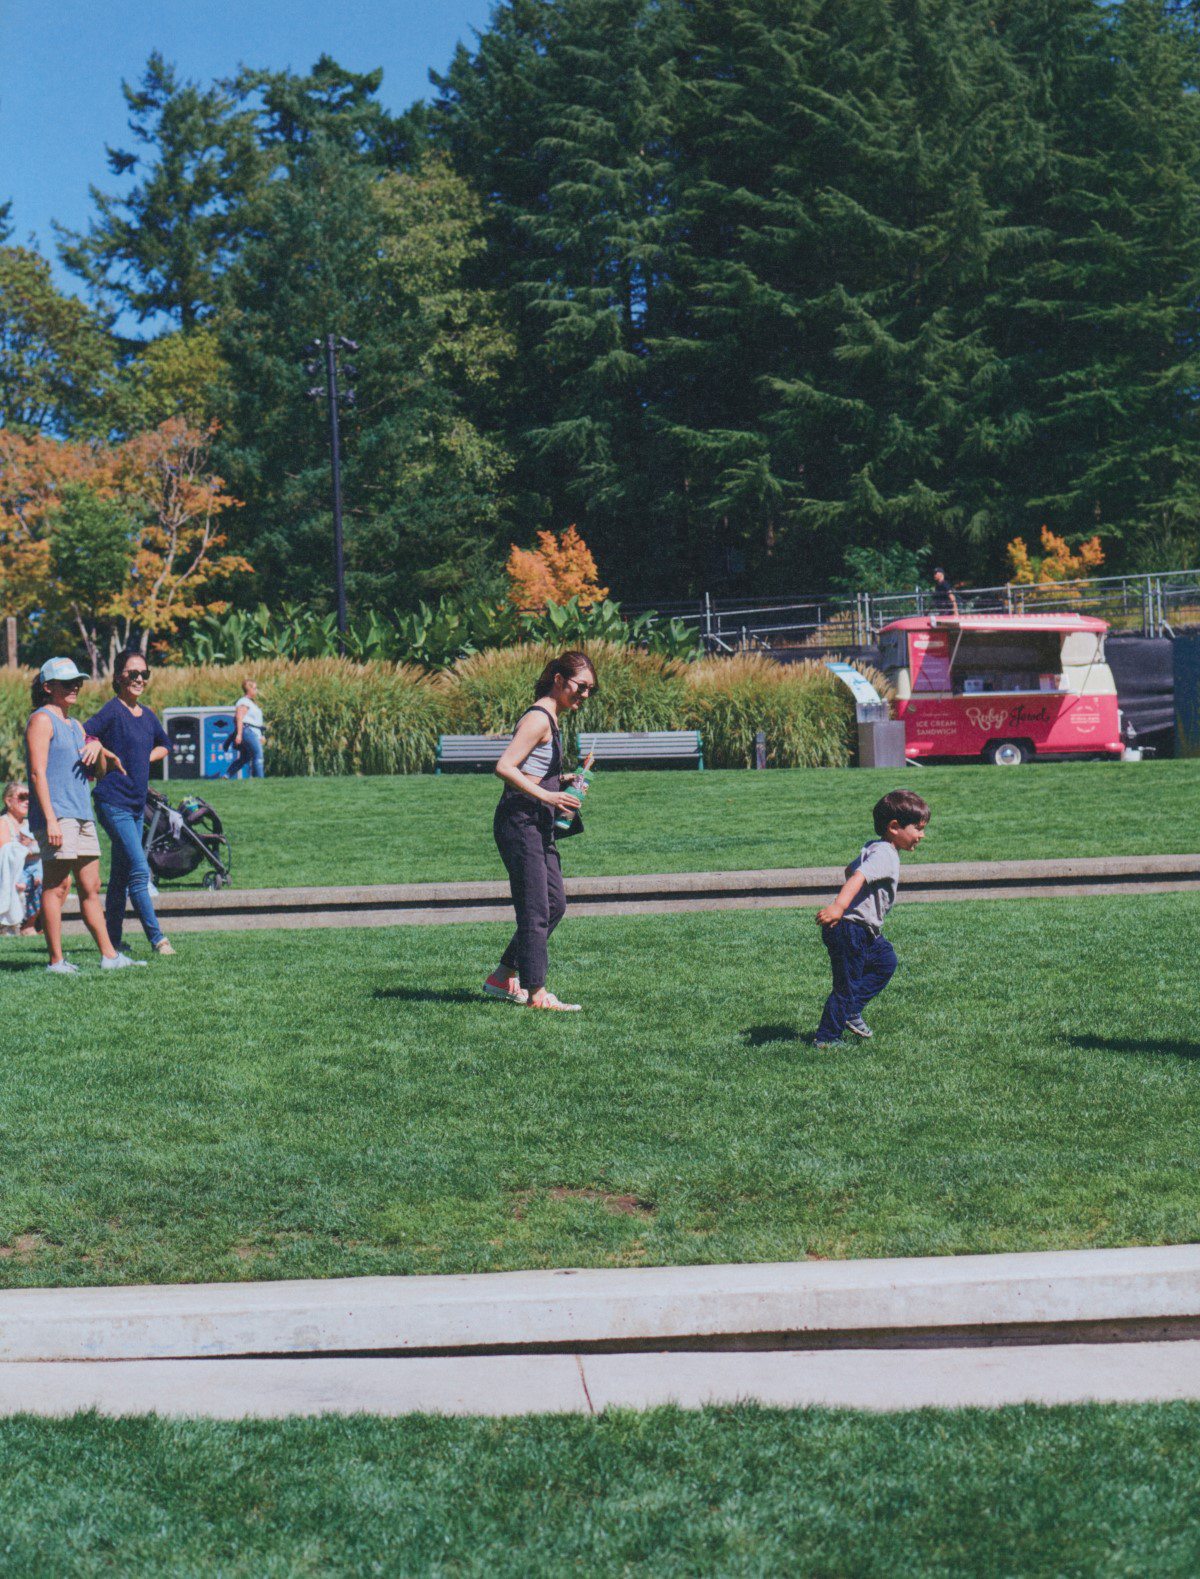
(1007, 753)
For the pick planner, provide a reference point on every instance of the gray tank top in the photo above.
(69, 792)
(537, 763)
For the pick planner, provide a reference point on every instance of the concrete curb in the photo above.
(882, 1303)
(661, 893)
(587, 1384)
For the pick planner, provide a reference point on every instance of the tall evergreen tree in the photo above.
(564, 117)
(1103, 322)
(159, 250)
(338, 248)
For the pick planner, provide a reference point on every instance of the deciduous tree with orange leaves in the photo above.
(562, 568)
(176, 546)
(1056, 562)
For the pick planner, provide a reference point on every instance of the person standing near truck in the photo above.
(943, 599)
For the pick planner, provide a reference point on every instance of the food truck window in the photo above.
(1007, 661)
(892, 649)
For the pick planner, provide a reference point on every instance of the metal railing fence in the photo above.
(1153, 604)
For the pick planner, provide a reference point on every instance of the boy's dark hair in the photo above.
(901, 806)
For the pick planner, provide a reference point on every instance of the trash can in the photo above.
(199, 738)
(881, 743)
(183, 733)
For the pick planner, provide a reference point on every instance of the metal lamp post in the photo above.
(328, 348)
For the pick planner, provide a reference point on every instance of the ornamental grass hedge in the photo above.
(332, 716)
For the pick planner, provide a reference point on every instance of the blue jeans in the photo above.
(130, 874)
(251, 751)
(863, 963)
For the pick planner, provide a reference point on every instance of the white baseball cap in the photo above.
(60, 669)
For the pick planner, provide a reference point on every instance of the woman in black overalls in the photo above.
(531, 768)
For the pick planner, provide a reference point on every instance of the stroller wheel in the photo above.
(212, 881)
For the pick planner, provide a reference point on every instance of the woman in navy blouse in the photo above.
(133, 733)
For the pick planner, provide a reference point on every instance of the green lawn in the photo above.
(1084, 1492)
(320, 1103)
(424, 829)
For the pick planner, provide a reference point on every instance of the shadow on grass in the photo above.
(1173, 1046)
(22, 964)
(764, 1035)
(431, 995)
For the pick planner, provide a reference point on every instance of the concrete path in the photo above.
(663, 893)
(883, 1302)
(884, 1334)
(586, 1384)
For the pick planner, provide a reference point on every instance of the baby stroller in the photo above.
(177, 841)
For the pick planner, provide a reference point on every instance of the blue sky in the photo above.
(62, 63)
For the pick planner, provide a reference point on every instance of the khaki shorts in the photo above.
(78, 841)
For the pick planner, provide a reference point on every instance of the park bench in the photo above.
(469, 751)
(612, 749)
(643, 747)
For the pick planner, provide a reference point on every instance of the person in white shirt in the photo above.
(248, 732)
(20, 865)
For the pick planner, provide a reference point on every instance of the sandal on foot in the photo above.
(547, 1000)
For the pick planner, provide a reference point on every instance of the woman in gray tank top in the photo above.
(60, 758)
(524, 830)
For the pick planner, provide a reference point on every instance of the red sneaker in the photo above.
(501, 985)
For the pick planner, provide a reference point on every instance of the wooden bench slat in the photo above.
(607, 745)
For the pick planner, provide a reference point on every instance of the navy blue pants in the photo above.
(863, 963)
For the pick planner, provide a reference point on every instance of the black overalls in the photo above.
(524, 831)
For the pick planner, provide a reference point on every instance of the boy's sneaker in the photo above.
(860, 1027)
(164, 949)
(499, 985)
(63, 968)
(120, 962)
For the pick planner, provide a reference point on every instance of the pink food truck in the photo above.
(1004, 687)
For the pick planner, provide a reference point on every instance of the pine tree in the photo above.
(338, 248)
(159, 250)
(1104, 320)
(563, 118)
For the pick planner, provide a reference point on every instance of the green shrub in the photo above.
(637, 690)
(335, 716)
(324, 715)
(806, 713)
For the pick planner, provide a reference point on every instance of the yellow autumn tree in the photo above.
(163, 475)
(1056, 562)
(34, 471)
(560, 569)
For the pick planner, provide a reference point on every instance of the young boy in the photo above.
(862, 958)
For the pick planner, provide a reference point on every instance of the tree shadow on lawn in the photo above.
(1173, 1046)
(764, 1035)
(22, 964)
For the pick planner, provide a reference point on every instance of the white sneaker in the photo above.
(120, 962)
(63, 968)
(164, 949)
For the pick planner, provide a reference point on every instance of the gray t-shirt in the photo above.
(879, 863)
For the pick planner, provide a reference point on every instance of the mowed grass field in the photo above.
(1084, 1492)
(340, 831)
(324, 1103)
